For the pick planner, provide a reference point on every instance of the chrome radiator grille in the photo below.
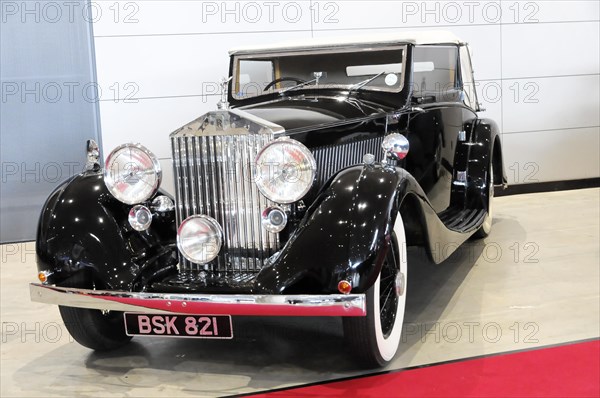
(213, 176)
(332, 158)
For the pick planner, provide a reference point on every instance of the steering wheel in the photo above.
(284, 79)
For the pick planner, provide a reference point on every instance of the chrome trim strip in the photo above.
(214, 304)
(178, 181)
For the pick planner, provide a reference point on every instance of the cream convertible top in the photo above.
(423, 37)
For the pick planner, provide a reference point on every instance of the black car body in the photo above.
(286, 203)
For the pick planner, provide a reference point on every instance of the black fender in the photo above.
(345, 234)
(82, 227)
(482, 146)
(485, 147)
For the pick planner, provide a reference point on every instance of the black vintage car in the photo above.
(298, 197)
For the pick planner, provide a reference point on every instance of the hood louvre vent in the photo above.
(333, 158)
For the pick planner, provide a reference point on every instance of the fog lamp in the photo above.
(140, 218)
(274, 219)
(199, 239)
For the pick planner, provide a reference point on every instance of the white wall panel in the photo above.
(550, 49)
(489, 94)
(484, 41)
(172, 65)
(396, 14)
(527, 11)
(550, 104)
(551, 155)
(161, 17)
(168, 181)
(449, 13)
(150, 122)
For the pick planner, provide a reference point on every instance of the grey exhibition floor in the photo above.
(533, 282)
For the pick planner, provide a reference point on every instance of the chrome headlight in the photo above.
(285, 170)
(199, 239)
(132, 173)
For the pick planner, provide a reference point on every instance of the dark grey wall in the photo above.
(48, 106)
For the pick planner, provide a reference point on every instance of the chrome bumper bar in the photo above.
(205, 304)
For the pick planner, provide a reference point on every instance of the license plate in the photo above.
(179, 325)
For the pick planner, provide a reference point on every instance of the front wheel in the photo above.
(375, 338)
(95, 329)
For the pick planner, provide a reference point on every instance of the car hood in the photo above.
(302, 114)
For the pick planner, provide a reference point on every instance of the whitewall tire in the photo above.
(486, 226)
(375, 338)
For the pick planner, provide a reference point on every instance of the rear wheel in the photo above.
(95, 329)
(375, 338)
(486, 226)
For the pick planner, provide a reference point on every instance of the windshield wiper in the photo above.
(297, 86)
(317, 75)
(360, 85)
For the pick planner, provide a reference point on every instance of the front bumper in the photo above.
(205, 304)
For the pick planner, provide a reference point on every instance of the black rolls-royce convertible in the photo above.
(297, 197)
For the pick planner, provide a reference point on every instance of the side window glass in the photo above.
(470, 96)
(253, 76)
(435, 73)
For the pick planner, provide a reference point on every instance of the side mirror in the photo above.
(395, 146)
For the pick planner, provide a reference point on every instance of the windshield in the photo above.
(377, 69)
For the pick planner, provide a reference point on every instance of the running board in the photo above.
(462, 220)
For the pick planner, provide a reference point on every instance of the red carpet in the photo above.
(571, 370)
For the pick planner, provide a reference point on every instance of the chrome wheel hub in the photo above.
(400, 283)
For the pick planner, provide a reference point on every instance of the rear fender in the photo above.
(485, 148)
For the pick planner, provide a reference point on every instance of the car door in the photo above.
(433, 135)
